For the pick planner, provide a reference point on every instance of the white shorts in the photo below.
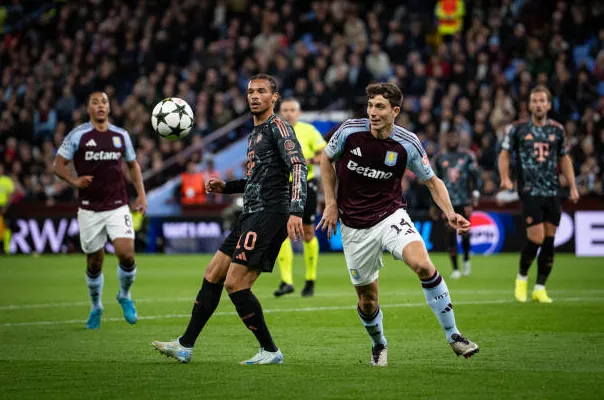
(363, 248)
(96, 225)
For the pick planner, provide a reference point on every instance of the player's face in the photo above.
(539, 105)
(452, 141)
(260, 97)
(381, 114)
(290, 111)
(98, 107)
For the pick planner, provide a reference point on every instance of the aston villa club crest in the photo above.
(117, 142)
(391, 157)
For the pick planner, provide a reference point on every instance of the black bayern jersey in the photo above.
(538, 150)
(457, 169)
(272, 153)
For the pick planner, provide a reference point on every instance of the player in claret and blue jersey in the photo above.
(371, 156)
(97, 149)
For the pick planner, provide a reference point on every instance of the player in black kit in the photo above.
(541, 147)
(270, 213)
(458, 170)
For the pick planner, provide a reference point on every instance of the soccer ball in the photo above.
(172, 118)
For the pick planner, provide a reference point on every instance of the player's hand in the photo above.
(506, 184)
(329, 220)
(141, 204)
(295, 229)
(215, 186)
(574, 195)
(459, 223)
(82, 182)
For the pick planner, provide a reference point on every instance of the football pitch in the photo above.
(528, 351)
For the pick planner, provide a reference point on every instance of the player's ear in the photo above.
(396, 110)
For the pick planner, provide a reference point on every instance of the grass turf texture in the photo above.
(528, 351)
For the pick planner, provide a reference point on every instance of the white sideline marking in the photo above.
(9, 307)
(291, 310)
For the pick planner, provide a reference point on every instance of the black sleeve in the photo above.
(234, 186)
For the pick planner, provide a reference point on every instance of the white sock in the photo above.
(521, 278)
(374, 326)
(539, 287)
(437, 297)
(95, 290)
(126, 279)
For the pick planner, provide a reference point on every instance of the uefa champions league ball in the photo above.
(172, 118)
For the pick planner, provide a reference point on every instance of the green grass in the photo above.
(528, 351)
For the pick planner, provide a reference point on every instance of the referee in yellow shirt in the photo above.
(7, 188)
(312, 143)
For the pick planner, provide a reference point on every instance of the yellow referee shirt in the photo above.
(311, 141)
(6, 189)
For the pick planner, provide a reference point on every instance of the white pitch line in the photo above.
(292, 310)
(9, 307)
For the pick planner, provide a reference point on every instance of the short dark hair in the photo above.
(267, 77)
(93, 92)
(541, 89)
(390, 92)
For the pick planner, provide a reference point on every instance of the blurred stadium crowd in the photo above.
(475, 82)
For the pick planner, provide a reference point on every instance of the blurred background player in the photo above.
(271, 212)
(96, 149)
(192, 189)
(459, 172)
(372, 155)
(312, 144)
(541, 146)
(7, 188)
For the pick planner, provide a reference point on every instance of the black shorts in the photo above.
(310, 209)
(256, 239)
(537, 209)
(461, 210)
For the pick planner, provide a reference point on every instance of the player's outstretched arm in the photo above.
(61, 169)
(440, 195)
(504, 170)
(137, 179)
(229, 187)
(566, 165)
(330, 214)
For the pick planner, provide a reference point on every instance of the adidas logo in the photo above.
(447, 309)
(91, 143)
(357, 152)
(241, 256)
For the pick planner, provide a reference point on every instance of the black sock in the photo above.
(527, 256)
(249, 309)
(465, 245)
(452, 243)
(205, 305)
(545, 260)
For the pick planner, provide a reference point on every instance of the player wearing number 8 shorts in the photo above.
(271, 212)
(96, 149)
